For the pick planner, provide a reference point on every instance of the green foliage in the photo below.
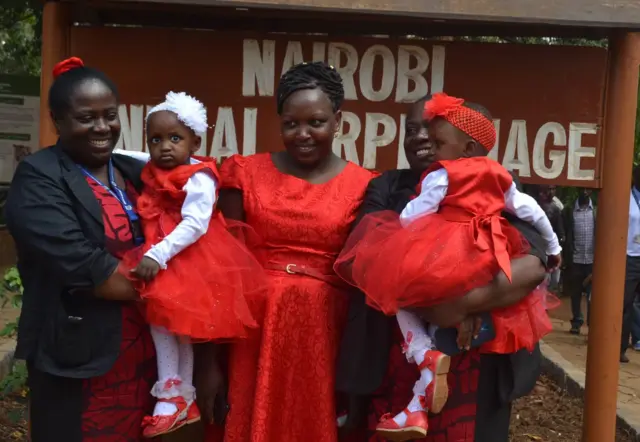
(20, 31)
(11, 292)
(15, 382)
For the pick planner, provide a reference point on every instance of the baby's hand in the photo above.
(554, 262)
(147, 269)
(468, 330)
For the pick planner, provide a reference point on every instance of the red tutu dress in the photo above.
(201, 293)
(444, 255)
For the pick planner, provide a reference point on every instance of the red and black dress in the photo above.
(115, 404)
(107, 408)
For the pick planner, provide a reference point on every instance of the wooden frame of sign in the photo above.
(609, 80)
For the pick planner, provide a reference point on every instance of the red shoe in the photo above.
(193, 413)
(437, 391)
(415, 427)
(159, 425)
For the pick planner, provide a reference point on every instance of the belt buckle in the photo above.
(288, 269)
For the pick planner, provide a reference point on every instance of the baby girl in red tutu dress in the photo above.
(193, 273)
(448, 240)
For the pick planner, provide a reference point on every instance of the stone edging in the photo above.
(6, 358)
(572, 380)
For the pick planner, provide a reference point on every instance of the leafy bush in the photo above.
(11, 294)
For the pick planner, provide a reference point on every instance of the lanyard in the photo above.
(123, 199)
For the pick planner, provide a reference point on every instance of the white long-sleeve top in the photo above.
(196, 212)
(434, 189)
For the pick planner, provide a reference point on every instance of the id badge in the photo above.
(636, 239)
(136, 230)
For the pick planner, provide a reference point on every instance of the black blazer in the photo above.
(56, 222)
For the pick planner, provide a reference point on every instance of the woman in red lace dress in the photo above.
(301, 202)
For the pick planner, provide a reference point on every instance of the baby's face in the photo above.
(449, 143)
(170, 142)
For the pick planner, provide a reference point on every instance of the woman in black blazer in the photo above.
(70, 210)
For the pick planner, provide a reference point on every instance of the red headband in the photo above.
(469, 121)
(67, 65)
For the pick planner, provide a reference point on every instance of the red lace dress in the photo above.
(115, 404)
(446, 254)
(201, 292)
(282, 379)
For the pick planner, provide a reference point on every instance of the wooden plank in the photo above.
(56, 25)
(614, 13)
(293, 21)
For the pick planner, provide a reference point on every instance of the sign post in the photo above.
(603, 352)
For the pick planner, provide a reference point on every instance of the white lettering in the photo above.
(319, 50)
(366, 73)
(249, 131)
(516, 155)
(347, 140)
(578, 151)
(348, 70)
(402, 163)
(556, 157)
(415, 74)
(131, 130)
(493, 153)
(292, 56)
(258, 67)
(437, 69)
(371, 138)
(225, 141)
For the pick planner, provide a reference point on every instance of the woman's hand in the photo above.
(147, 269)
(209, 383)
(554, 262)
(468, 330)
(116, 288)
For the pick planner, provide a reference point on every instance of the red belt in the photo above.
(303, 270)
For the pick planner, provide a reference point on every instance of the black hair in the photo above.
(480, 109)
(64, 86)
(316, 75)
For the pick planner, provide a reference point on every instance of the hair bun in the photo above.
(67, 65)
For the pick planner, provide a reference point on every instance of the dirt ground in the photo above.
(547, 415)
(13, 424)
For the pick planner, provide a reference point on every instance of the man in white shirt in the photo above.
(632, 275)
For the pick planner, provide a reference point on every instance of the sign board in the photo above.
(547, 101)
(19, 121)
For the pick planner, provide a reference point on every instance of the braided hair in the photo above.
(316, 75)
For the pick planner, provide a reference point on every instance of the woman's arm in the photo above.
(231, 204)
(526, 274)
(41, 219)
